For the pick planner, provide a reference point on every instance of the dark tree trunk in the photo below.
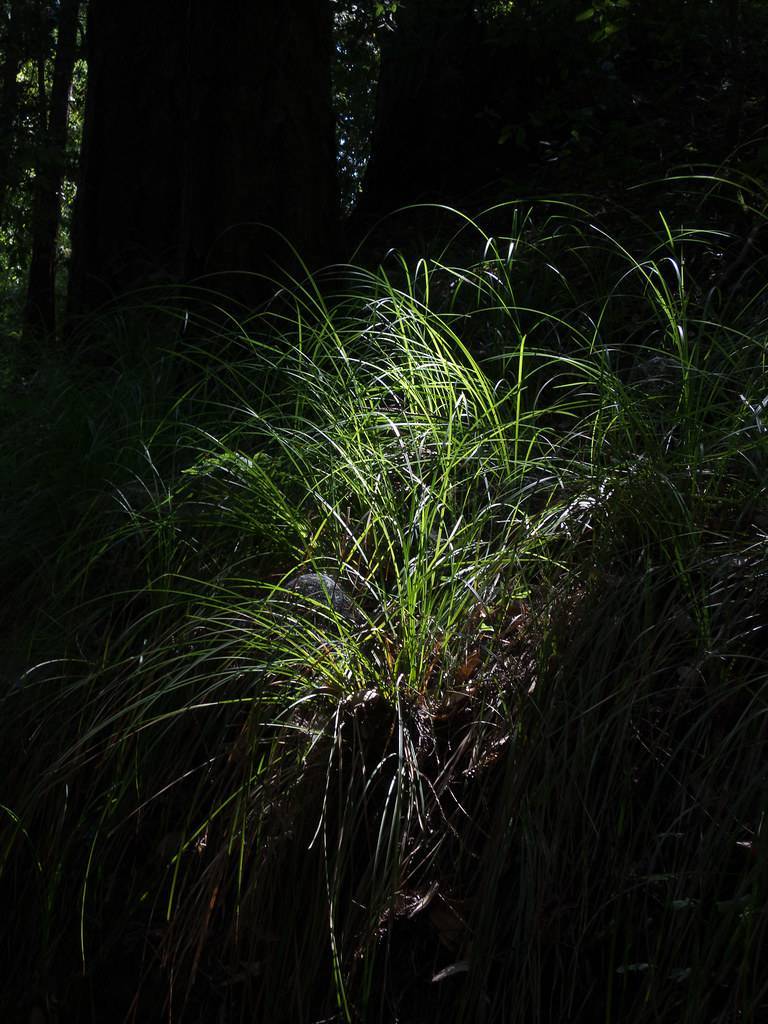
(423, 134)
(203, 123)
(261, 148)
(12, 42)
(40, 309)
(127, 213)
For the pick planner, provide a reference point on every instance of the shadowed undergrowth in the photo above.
(501, 756)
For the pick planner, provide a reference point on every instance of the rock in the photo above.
(320, 591)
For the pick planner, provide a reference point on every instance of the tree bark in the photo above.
(40, 308)
(423, 135)
(127, 211)
(261, 145)
(9, 95)
(203, 125)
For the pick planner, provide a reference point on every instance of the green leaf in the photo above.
(586, 15)
(605, 32)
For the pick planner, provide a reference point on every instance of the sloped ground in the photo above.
(518, 772)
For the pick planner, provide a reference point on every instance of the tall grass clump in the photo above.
(435, 688)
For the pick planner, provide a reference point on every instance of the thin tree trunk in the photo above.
(9, 96)
(40, 309)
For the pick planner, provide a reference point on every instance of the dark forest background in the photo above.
(164, 145)
(383, 511)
